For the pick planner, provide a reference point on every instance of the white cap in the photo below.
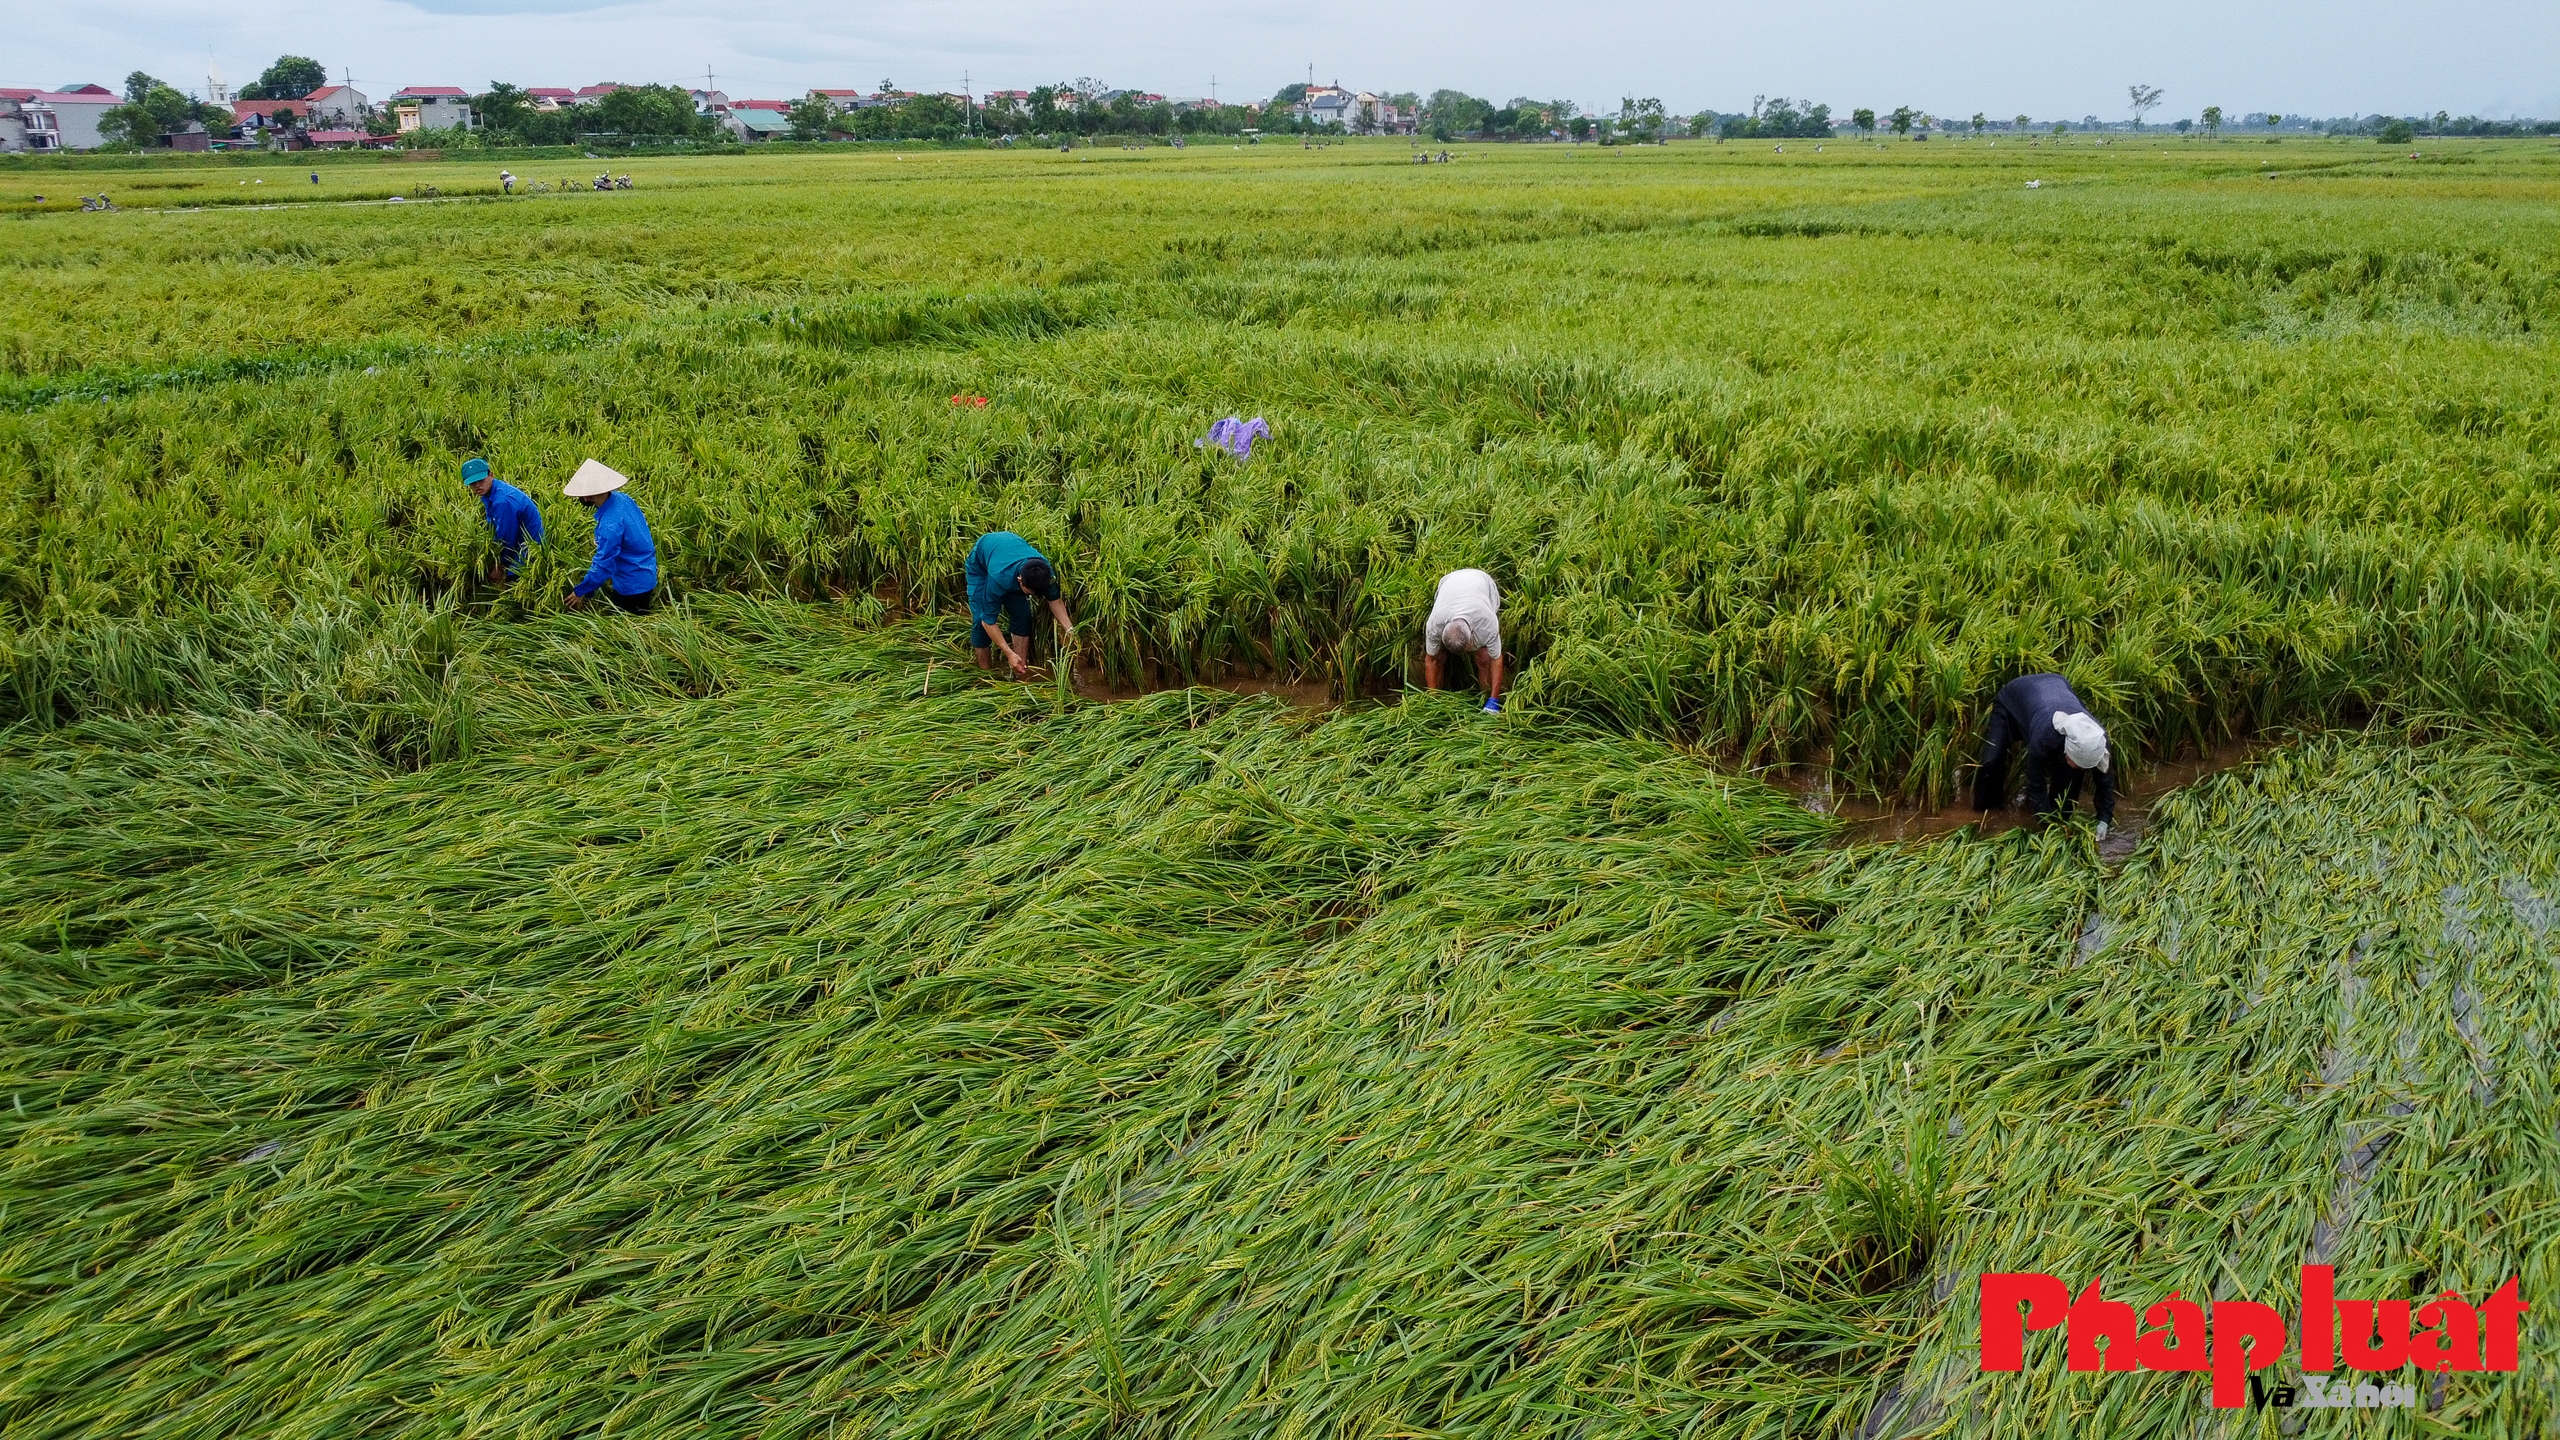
(595, 478)
(2084, 741)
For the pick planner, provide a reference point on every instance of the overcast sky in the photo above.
(2057, 60)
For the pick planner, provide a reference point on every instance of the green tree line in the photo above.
(1782, 119)
(508, 116)
(1077, 109)
(152, 108)
(1454, 114)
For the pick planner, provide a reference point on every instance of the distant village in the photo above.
(294, 106)
(149, 114)
(330, 116)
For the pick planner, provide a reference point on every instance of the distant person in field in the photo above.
(2064, 746)
(506, 182)
(1466, 617)
(511, 516)
(626, 563)
(1004, 575)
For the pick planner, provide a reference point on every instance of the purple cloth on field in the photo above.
(1235, 436)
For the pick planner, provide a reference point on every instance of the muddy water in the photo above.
(1090, 685)
(2136, 791)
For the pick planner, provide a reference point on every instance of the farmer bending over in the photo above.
(1466, 616)
(1004, 573)
(511, 516)
(626, 563)
(2063, 743)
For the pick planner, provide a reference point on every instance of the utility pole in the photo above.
(968, 103)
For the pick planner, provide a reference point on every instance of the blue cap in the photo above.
(474, 470)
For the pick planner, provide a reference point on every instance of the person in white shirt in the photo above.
(1466, 616)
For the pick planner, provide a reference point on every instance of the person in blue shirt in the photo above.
(510, 513)
(1004, 573)
(626, 563)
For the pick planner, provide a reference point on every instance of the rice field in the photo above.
(430, 1011)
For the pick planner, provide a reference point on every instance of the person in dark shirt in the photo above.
(2064, 746)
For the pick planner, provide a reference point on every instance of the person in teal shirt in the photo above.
(626, 563)
(511, 515)
(1004, 573)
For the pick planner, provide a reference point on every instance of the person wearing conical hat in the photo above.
(626, 563)
(2065, 745)
(511, 516)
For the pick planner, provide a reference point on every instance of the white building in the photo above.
(432, 107)
(340, 104)
(63, 119)
(1360, 112)
(13, 122)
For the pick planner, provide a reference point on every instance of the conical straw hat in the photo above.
(595, 478)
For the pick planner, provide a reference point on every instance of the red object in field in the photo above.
(978, 400)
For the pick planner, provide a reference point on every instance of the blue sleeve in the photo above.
(982, 589)
(608, 545)
(532, 514)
